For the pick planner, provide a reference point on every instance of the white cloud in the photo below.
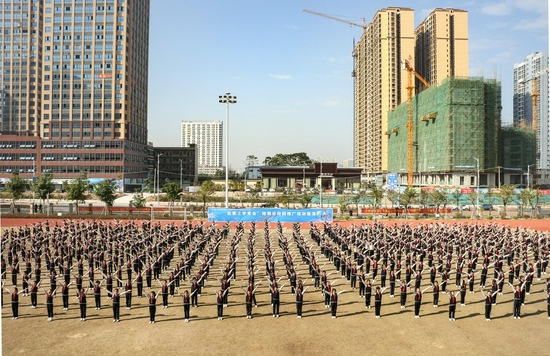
(497, 9)
(281, 76)
(538, 24)
(506, 7)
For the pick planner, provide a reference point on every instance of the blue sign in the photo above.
(269, 214)
(393, 181)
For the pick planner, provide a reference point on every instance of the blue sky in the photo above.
(290, 70)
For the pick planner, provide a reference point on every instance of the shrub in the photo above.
(489, 217)
(458, 215)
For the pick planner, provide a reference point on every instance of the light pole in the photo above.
(477, 184)
(158, 178)
(227, 99)
(304, 179)
(181, 181)
(321, 186)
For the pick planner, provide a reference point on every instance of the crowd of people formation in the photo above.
(96, 256)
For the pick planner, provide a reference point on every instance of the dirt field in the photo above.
(354, 332)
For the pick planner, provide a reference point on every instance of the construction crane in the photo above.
(410, 87)
(535, 122)
(364, 25)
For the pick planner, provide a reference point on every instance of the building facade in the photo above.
(177, 164)
(74, 78)
(533, 71)
(380, 84)
(208, 136)
(437, 49)
(441, 46)
(455, 125)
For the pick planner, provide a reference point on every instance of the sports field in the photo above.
(355, 332)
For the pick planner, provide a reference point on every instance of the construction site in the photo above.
(455, 134)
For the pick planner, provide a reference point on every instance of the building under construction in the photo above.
(517, 150)
(455, 125)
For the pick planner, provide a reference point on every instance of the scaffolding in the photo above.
(454, 124)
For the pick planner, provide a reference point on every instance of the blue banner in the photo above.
(269, 214)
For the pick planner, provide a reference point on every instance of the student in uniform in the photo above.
(49, 303)
(14, 302)
(377, 302)
(34, 294)
(517, 303)
(452, 305)
(65, 295)
(219, 304)
(152, 307)
(97, 295)
(82, 304)
(186, 304)
(333, 303)
(488, 305)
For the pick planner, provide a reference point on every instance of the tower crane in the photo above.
(364, 25)
(535, 122)
(410, 86)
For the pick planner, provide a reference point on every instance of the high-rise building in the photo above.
(75, 75)
(208, 136)
(441, 48)
(380, 83)
(437, 49)
(535, 66)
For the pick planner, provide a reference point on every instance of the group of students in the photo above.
(364, 255)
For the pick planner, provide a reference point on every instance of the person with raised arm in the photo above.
(452, 305)
(152, 307)
(186, 303)
(65, 295)
(82, 303)
(489, 304)
(116, 303)
(378, 301)
(97, 294)
(14, 302)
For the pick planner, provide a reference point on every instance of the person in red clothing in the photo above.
(452, 305)
(14, 302)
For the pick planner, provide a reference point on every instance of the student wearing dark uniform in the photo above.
(417, 302)
(436, 294)
(109, 285)
(128, 293)
(65, 295)
(452, 306)
(49, 304)
(34, 294)
(488, 306)
(219, 304)
(97, 295)
(195, 289)
(368, 293)
(463, 294)
(82, 304)
(164, 293)
(14, 302)
(333, 303)
(300, 302)
(116, 304)
(377, 302)
(276, 301)
(152, 307)
(517, 303)
(148, 275)
(248, 303)
(403, 295)
(186, 304)
(139, 284)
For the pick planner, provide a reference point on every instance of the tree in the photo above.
(205, 192)
(407, 198)
(490, 197)
(305, 199)
(148, 185)
(439, 198)
(235, 185)
(375, 195)
(393, 197)
(423, 198)
(525, 198)
(105, 191)
(16, 186)
(172, 191)
(456, 195)
(356, 199)
(251, 160)
(292, 159)
(138, 201)
(506, 195)
(43, 186)
(342, 204)
(76, 190)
